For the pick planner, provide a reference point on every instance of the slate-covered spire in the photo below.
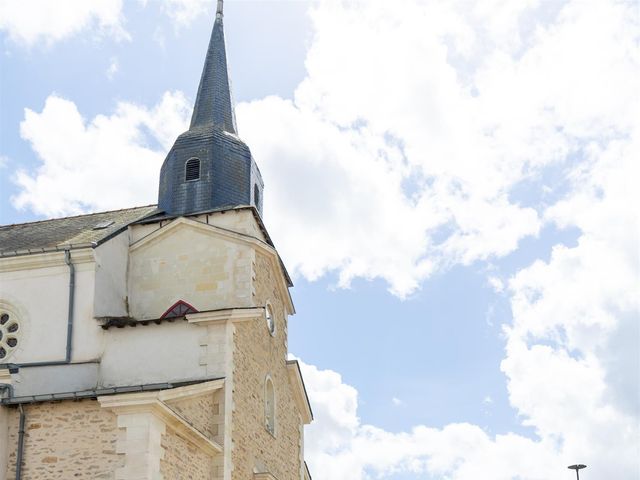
(214, 103)
(209, 167)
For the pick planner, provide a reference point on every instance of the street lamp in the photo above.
(577, 468)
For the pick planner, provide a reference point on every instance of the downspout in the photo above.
(70, 302)
(20, 444)
(67, 359)
(72, 292)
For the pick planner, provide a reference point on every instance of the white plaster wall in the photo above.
(87, 334)
(4, 441)
(55, 379)
(110, 298)
(37, 288)
(153, 353)
(41, 296)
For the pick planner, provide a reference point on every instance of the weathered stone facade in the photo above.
(213, 429)
(66, 440)
(182, 459)
(204, 412)
(257, 354)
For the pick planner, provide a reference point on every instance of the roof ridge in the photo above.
(77, 216)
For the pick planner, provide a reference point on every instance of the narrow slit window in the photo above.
(270, 406)
(192, 170)
(256, 196)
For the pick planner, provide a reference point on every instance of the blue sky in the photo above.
(448, 182)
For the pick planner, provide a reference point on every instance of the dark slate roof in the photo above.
(69, 232)
(80, 231)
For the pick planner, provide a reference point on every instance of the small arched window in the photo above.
(269, 406)
(256, 195)
(192, 170)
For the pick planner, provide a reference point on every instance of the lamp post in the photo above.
(577, 468)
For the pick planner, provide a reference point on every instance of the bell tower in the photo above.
(209, 167)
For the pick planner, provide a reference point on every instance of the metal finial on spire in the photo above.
(219, 9)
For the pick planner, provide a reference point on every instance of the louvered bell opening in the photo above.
(192, 170)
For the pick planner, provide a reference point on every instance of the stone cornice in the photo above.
(228, 314)
(190, 391)
(44, 260)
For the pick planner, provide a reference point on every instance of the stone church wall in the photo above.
(190, 263)
(4, 447)
(183, 460)
(66, 440)
(205, 413)
(256, 354)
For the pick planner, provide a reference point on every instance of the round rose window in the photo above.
(9, 329)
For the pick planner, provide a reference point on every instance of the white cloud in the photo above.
(28, 22)
(339, 447)
(571, 358)
(183, 12)
(496, 284)
(563, 398)
(404, 167)
(407, 149)
(397, 402)
(102, 164)
(402, 154)
(113, 68)
(563, 97)
(349, 206)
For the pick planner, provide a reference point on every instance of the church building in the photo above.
(151, 342)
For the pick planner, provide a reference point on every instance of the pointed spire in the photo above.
(214, 103)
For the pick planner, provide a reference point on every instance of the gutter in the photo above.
(100, 392)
